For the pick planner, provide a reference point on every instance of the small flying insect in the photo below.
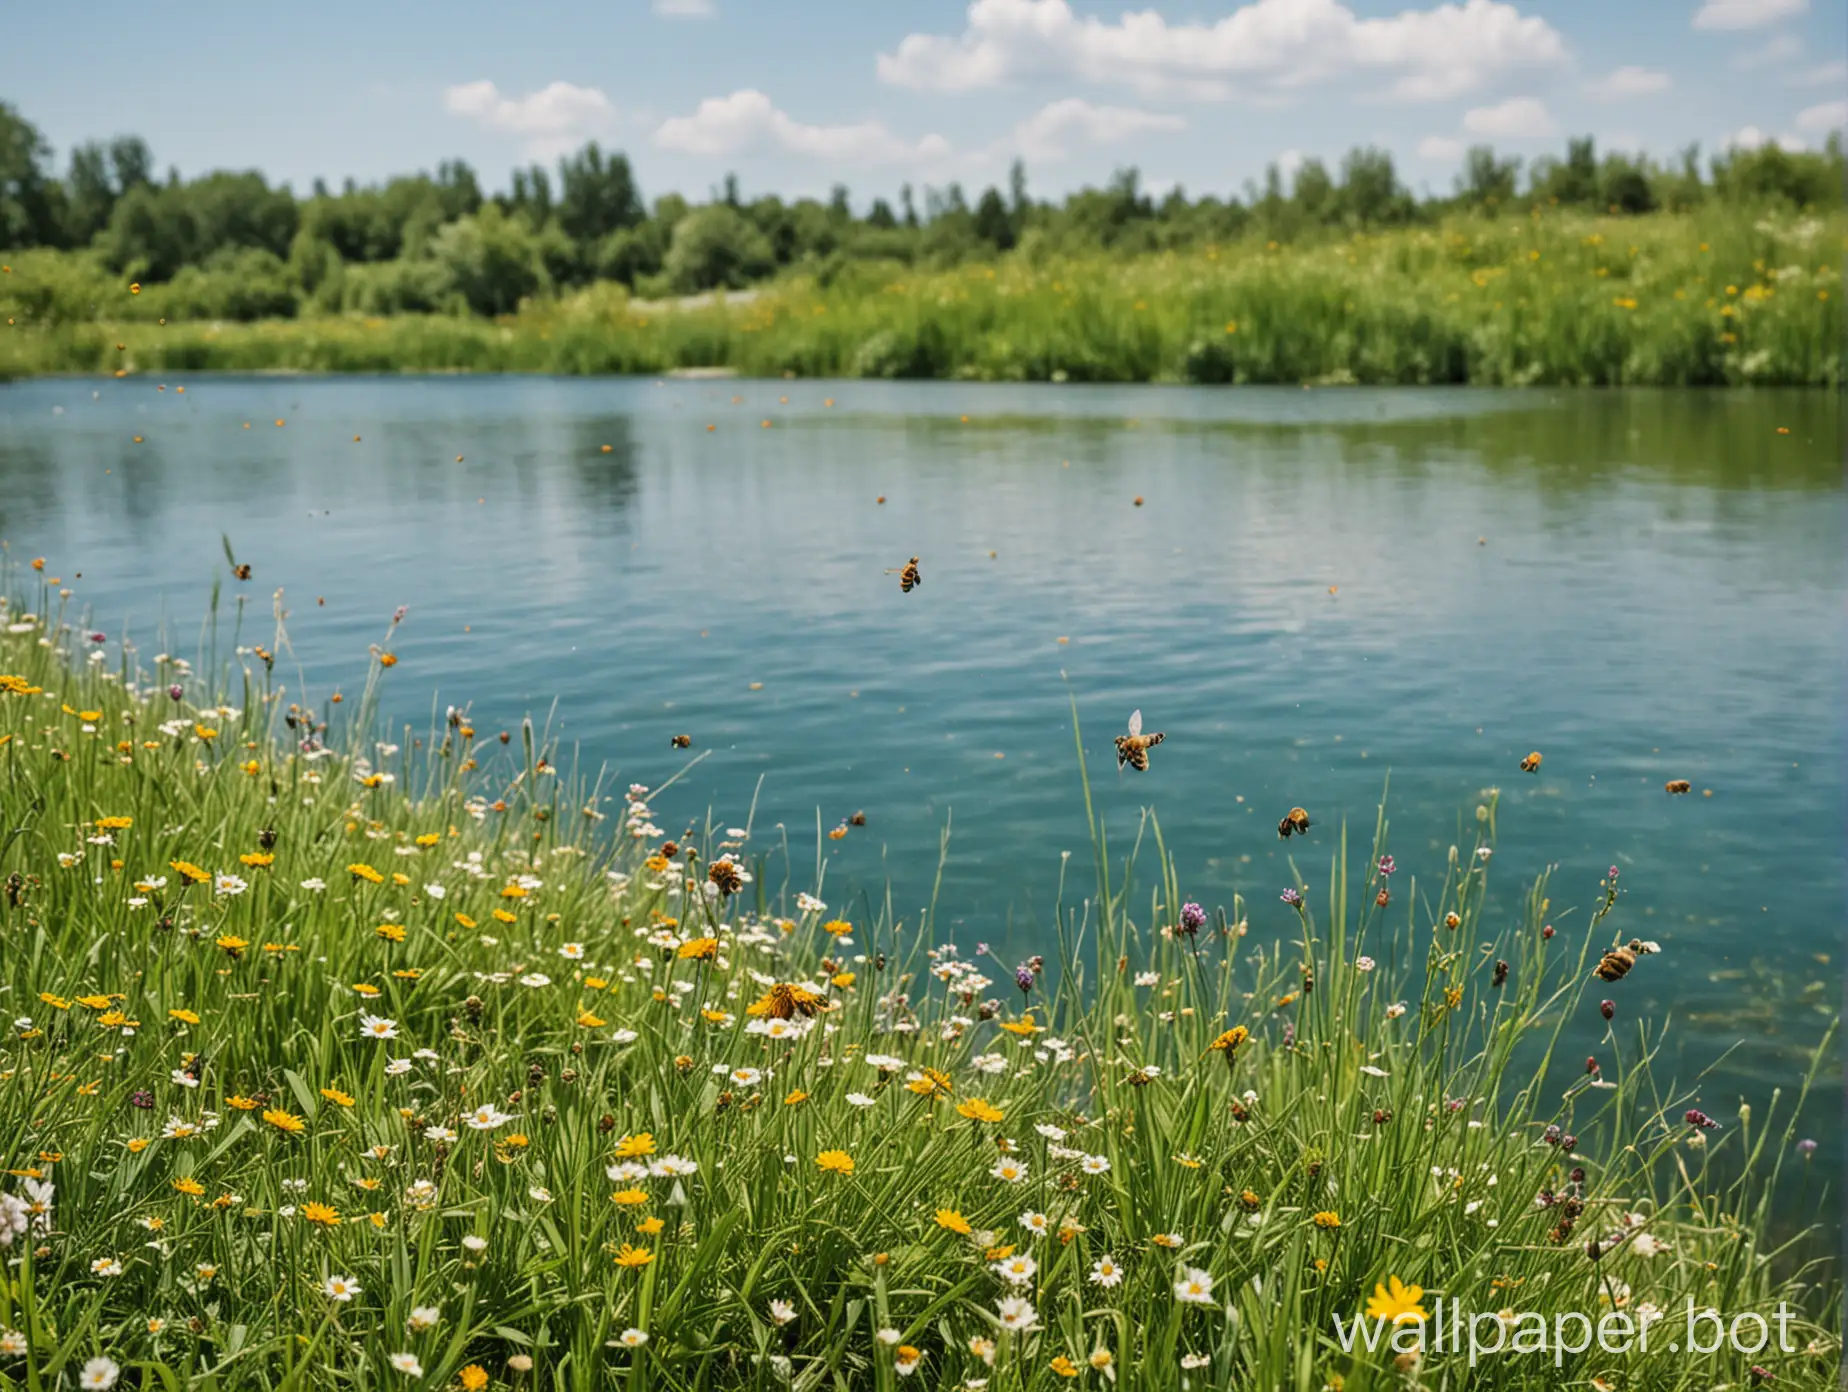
(1531, 764)
(1615, 964)
(1295, 820)
(242, 572)
(682, 741)
(1133, 748)
(1677, 786)
(908, 577)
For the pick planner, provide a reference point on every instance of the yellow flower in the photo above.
(952, 1220)
(326, 1215)
(633, 1257)
(842, 980)
(795, 1098)
(1396, 1301)
(473, 1378)
(257, 860)
(589, 1021)
(1230, 1040)
(1023, 1026)
(189, 1186)
(189, 872)
(502, 916)
(699, 949)
(835, 1162)
(837, 927)
(1327, 1218)
(362, 871)
(1064, 1367)
(929, 1083)
(465, 920)
(1453, 996)
(391, 932)
(114, 823)
(185, 1017)
(650, 1227)
(634, 1147)
(629, 1197)
(977, 1110)
(337, 1097)
(365, 988)
(232, 944)
(137, 1144)
(241, 1103)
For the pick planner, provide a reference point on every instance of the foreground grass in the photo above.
(1708, 299)
(365, 1071)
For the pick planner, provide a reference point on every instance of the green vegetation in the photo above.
(1588, 271)
(357, 1068)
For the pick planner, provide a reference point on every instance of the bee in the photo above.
(193, 1066)
(908, 577)
(1531, 764)
(682, 741)
(1295, 820)
(1615, 964)
(242, 571)
(857, 819)
(1133, 748)
(1677, 786)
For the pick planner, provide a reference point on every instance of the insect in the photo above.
(1133, 748)
(857, 819)
(1295, 820)
(1677, 786)
(908, 577)
(1531, 764)
(242, 572)
(1615, 964)
(682, 741)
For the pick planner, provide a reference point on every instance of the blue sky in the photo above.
(797, 96)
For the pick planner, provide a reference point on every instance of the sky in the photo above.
(796, 96)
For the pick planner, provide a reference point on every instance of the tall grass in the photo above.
(1708, 299)
(195, 1067)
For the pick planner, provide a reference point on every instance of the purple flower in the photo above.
(1699, 1120)
(1023, 978)
(175, 691)
(1806, 1147)
(141, 1098)
(399, 613)
(1607, 1008)
(1193, 918)
(1591, 1065)
(1613, 875)
(1455, 1104)
(1567, 1144)
(1551, 1135)
(1386, 865)
(1292, 897)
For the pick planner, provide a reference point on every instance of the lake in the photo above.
(1319, 588)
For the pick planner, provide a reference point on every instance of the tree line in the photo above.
(231, 245)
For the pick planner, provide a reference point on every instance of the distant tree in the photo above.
(716, 247)
(1371, 194)
(25, 196)
(1572, 181)
(1313, 192)
(993, 223)
(492, 259)
(153, 232)
(1623, 185)
(881, 216)
(910, 208)
(840, 204)
(596, 196)
(1487, 182)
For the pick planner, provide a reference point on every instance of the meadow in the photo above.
(343, 1063)
(1547, 296)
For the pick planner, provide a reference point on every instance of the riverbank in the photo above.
(428, 1061)
(1555, 299)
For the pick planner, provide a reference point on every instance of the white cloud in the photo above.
(684, 9)
(1746, 14)
(1827, 75)
(1752, 138)
(1629, 82)
(1518, 118)
(551, 120)
(748, 122)
(1262, 48)
(1289, 162)
(1442, 148)
(1779, 48)
(1820, 120)
(1060, 127)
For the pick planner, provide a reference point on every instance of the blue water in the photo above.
(1320, 588)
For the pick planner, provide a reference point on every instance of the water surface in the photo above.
(1319, 588)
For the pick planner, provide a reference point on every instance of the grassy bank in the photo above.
(430, 1067)
(1707, 299)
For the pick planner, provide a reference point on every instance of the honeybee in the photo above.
(1295, 820)
(1677, 786)
(1615, 964)
(1133, 748)
(908, 577)
(682, 741)
(1531, 764)
(242, 572)
(857, 819)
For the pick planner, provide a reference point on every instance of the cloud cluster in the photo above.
(1746, 14)
(748, 122)
(551, 120)
(1263, 49)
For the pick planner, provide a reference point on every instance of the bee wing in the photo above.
(1135, 722)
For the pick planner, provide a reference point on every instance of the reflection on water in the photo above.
(1320, 587)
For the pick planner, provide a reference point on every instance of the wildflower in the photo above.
(407, 1364)
(1168, 1239)
(699, 949)
(953, 1221)
(975, 1109)
(106, 1266)
(323, 1215)
(1394, 1300)
(423, 1317)
(1017, 1270)
(1063, 1366)
(1293, 897)
(905, 1360)
(1105, 1272)
(1386, 865)
(362, 871)
(1016, 1313)
(475, 1242)
(340, 1288)
(631, 1257)
(835, 1162)
(1327, 1218)
(337, 1097)
(1095, 1164)
(782, 1312)
(377, 1027)
(486, 1117)
(1699, 1120)
(632, 1337)
(1193, 918)
(473, 1378)
(1195, 1287)
(99, 1372)
(1009, 1170)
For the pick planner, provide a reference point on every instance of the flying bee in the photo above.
(682, 741)
(242, 572)
(908, 577)
(193, 1066)
(1133, 748)
(1677, 786)
(1531, 764)
(857, 819)
(1615, 964)
(1295, 820)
